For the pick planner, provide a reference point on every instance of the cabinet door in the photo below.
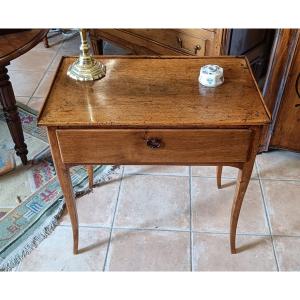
(287, 127)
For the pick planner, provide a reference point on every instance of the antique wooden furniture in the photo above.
(150, 110)
(161, 41)
(254, 43)
(281, 92)
(46, 42)
(12, 45)
(272, 54)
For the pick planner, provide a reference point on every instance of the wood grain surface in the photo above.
(13, 45)
(139, 92)
(127, 146)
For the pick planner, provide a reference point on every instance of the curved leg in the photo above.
(91, 175)
(219, 176)
(64, 177)
(243, 179)
(11, 114)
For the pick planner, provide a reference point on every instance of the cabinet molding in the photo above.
(281, 59)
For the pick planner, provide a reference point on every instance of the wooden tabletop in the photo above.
(13, 45)
(152, 92)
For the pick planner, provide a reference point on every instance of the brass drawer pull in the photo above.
(153, 143)
(180, 43)
(197, 48)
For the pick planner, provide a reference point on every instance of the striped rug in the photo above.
(31, 200)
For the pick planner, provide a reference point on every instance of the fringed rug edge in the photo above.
(15, 258)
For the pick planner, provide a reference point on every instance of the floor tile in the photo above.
(211, 207)
(147, 201)
(68, 52)
(97, 207)
(23, 100)
(211, 252)
(32, 61)
(279, 164)
(55, 63)
(149, 251)
(25, 82)
(62, 52)
(210, 171)
(154, 170)
(44, 85)
(72, 44)
(36, 103)
(55, 253)
(283, 204)
(288, 254)
(67, 49)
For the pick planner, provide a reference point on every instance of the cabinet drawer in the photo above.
(173, 38)
(165, 146)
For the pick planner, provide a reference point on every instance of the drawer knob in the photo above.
(153, 143)
(197, 48)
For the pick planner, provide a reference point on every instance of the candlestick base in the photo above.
(86, 71)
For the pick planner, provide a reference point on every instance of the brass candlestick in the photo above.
(86, 68)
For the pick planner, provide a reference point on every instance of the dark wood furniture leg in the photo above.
(63, 174)
(12, 117)
(97, 46)
(219, 176)
(46, 42)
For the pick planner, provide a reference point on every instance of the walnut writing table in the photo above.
(150, 110)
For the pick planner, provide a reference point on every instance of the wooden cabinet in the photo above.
(287, 127)
(281, 92)
(161, 41)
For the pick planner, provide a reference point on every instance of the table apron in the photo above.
(154, 146)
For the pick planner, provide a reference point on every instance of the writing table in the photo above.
(152, 110)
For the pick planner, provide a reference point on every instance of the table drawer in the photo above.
(169, 146)
(173, 38)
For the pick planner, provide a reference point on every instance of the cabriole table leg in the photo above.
(241, 188)
(244, 175)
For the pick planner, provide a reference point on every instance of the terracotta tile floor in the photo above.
(162, 218)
